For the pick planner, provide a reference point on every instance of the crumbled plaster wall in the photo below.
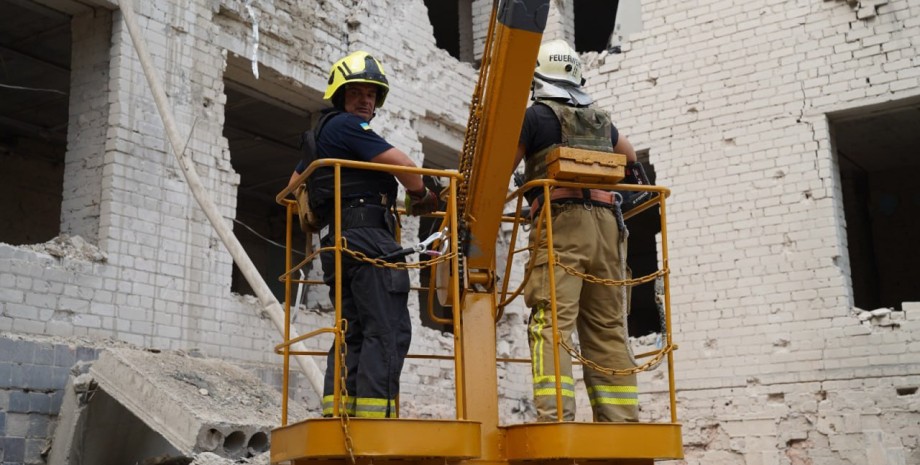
(867, 421)
(166, 279)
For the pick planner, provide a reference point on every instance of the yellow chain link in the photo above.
(343, 406)
(614, 372)
(398, 265)
(343, 395)
(613, 282)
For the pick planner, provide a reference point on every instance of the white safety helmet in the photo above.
(558, 63)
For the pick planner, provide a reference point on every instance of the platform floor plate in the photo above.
(593, 441)
(323, 438)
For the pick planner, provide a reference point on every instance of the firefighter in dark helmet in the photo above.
(374, 299)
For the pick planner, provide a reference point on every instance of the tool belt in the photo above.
(566, 195)
(362, 212)
(586, 197)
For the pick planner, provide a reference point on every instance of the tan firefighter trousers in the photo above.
(587, 239)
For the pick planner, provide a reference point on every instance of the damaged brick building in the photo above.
(786, 131)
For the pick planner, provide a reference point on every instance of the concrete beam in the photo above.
(197, 404)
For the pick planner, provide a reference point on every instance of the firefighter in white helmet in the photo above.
(374, 299)
(589, 236)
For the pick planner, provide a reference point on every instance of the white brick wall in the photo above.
(167, 278)
(82, 190)
(730, 99)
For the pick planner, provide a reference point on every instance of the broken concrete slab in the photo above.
(69, 420)
(88, 421)
(174, 405)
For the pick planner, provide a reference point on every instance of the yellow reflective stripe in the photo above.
(544, 388)
(373, 408)
(363, 401)
(614, 401)
(614, 395)
(552, 379)
(551, 392)
(537, 351)
(370, 407)
(329, 403)
(613, 389)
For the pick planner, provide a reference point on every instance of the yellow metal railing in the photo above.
(449, 221)
(339, 247)
(543, 217)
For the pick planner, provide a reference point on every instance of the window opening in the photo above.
(264, 140)
(594, 21)
(876, 155)
(452, 21)
(35, 49)
(642, 258)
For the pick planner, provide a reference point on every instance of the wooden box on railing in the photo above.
(586, 166)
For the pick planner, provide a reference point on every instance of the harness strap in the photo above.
(596, 197)
(592, 197)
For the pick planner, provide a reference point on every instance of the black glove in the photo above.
(421, 202)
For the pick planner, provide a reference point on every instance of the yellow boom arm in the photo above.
(496, 115)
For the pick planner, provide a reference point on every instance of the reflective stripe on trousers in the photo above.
(588, 240)
(375, 408)
(329, 402)
(361, 407)
(546, 386)
(374, 303)
(614, 395)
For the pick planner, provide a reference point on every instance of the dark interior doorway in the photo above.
(264, 138)
(453, 26)
(878, 154)
(642, 258)
(35, 60)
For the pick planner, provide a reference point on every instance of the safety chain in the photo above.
(659, 305)
(468, 151)
(610, 371)
(472, 127)
(613, 282)
(654, 361)
(343, 395)
(398, 265)
(343, 401)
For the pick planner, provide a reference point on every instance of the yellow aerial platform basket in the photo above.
(475, 202)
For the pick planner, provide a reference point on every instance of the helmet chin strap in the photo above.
(572, 95)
